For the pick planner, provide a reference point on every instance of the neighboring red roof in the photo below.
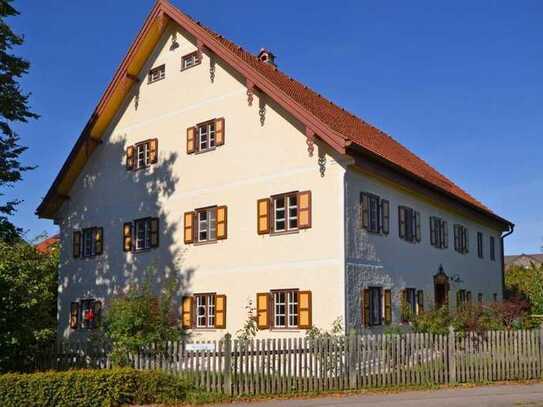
(45, 245)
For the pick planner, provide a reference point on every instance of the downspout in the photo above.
(503, 256)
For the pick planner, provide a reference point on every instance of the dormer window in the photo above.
(157, 73)
(190, 60)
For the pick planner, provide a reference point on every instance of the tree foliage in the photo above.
(139, 319)
(527, 282)
(28, 303)
(14, 107)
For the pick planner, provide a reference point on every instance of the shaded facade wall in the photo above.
(392, 263)
(258, 159)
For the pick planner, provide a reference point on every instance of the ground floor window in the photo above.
(376, 306)
(409, 303)
(205, 310)
(85, 314)
(285, 308)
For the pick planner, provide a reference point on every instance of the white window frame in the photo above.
(88, 237)
(156, 74)
(207, 225)
(376, 308)
(289, 212)
(86, 304)
(286, 307)
(189, 61)
(142, 226)
(142, 155)
(206, 136)
(205, 310)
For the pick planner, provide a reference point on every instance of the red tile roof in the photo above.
(353, 128)
(45, 245)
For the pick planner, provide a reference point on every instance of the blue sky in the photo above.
(458, 82)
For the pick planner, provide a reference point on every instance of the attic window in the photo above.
(157, 73)
(189, 60)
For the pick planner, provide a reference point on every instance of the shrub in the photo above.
(90, 388)
(526, 282)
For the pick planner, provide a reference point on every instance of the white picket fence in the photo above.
(264, 366)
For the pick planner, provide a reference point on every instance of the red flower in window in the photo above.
(89, 315)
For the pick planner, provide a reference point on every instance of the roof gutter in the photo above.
(511, 230)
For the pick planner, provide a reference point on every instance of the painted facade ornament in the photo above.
(310, 141)
(212, 69)
(322, 165)
(262, 112)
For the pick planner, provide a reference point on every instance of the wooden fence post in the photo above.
(541, 349)
(352, 358)
(451, 356)
(228, 364)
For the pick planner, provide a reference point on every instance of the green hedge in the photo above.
(90, 388)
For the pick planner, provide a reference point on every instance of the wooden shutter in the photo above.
(385, 217)
(304, 210)
(220, 311)
(455, 229)
(186, 312)
(97, 308)
(99, 241)
(403, 304)
(76, 244)
(263, 310)
(433, 225)
(365, 210)
(222, 218)
(188, 234)
(74, 315)
(154, 231)
(417, 226)
(445, 234)
(191, 140)
(366, 307)
(304, 306)
(388, 307)
(420, 302)
(466, 241)
(219, 131)
(130, 158)
(153, 151)
(127, 237)
(263, 216)
(402, 222)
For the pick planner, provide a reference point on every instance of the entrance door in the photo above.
(441, 290)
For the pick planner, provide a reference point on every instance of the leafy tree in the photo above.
(139, 319)
(14, 107)
(28, 303)
(526, 282)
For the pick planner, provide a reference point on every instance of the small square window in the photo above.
(189, 61)
(156, 74)
(206, 136)
(285, 211)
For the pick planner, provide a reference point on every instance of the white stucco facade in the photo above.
(263, 154)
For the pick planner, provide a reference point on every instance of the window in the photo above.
(439, 233)
(375, 213)
(409, 303)
(285, 212)
(206, 136)
(409, 224)
(285, 309)
(145, 234)
(205, 310)
(142, 155)
(480, 245)
(460, 298)
(157, 73)
(375, 305)
(461, 239)
(85, 314)
(206, 224)
(88, 242)
(492, 248)
(189, 60)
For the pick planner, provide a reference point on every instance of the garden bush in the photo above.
(90, 388)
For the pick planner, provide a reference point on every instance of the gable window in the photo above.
(375, 213)
(142, 155)
(480, 245)
(285, 212)
(439, 233)
(189, 60)
(207, 224)
(85, 314)
(492, 248)
(205, 136)
(285, 308)
(142, 234)
(205, 310)
(409, 224)
(461, 239)
(156, 74)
